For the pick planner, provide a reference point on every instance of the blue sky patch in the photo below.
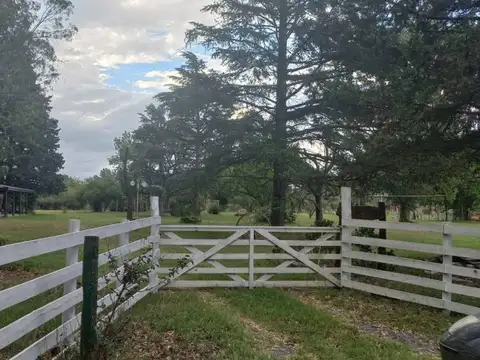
(124, 76)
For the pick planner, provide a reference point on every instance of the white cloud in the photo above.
(144, 84)
(113, 33)
(154, 74)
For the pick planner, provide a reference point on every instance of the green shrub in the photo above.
(190, 219)
(322, 223)
(3, 241)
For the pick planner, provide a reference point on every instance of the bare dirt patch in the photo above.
(146, 343)
(10, 276)
(276, 344)
(420, 343)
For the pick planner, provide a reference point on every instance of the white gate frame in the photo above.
(211, 256)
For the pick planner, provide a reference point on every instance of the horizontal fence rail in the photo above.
(361, 270)
(27, 249)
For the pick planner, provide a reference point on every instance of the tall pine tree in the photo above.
(258, 42)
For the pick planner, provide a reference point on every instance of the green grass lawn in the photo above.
(254, 325)
(305, 323)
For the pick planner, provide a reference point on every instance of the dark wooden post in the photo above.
(382, 233)
(338, 237)
(382, 216)
(88, 331)
(5, 203)
(20, 203)
(13, 203)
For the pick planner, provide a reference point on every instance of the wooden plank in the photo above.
(394, 276)
(305, 250)
(301, 257)
(258, 270)
(123, 251)
(464, 290)
(212, 242)
(154, 232)
(293, 284)
(251, 260)
(462, 230)
(88, 332)
(393, 225)
(462, 308)
(346, 208)
(214, 263)
(395, 294)
(230, 228)
(36, 318)
(259, 256)
(464, 252)
(200, 258)
(27, 290)
(124, 239)
(60, 334)
(27, 249)
(71, 258)
(27, 323)
(187, 284)
(447, 276)
(395, 244)
(463, 271)
(394, 260)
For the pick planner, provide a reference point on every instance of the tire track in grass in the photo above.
(317, 332)
(278, 345)
(360, 318)
(195, 322)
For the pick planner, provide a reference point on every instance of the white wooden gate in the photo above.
(245, 257)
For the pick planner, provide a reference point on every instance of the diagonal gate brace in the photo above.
(202, 257)
(301, 257)
(214, 263)
(287, 263)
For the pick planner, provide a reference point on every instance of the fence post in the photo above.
(124, 239)
(447, 263)
(71, 257)
(346, 197)
(251, 260)
(88, 332)
(154, 231)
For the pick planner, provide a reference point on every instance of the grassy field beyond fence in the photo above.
(50, 223)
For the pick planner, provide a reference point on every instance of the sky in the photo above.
(121, 57)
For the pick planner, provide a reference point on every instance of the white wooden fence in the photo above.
(357, 276)
(67, 276)
(249, 250)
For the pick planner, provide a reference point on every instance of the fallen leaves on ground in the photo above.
(144, 343)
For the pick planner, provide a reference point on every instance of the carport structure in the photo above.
(15, 200)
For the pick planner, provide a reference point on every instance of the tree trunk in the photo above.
(196, 192)
(318, 208)
(277, 217)
(404, 212)
(128, 188)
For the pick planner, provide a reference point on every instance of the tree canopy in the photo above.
(313, 95)
(29, 154)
